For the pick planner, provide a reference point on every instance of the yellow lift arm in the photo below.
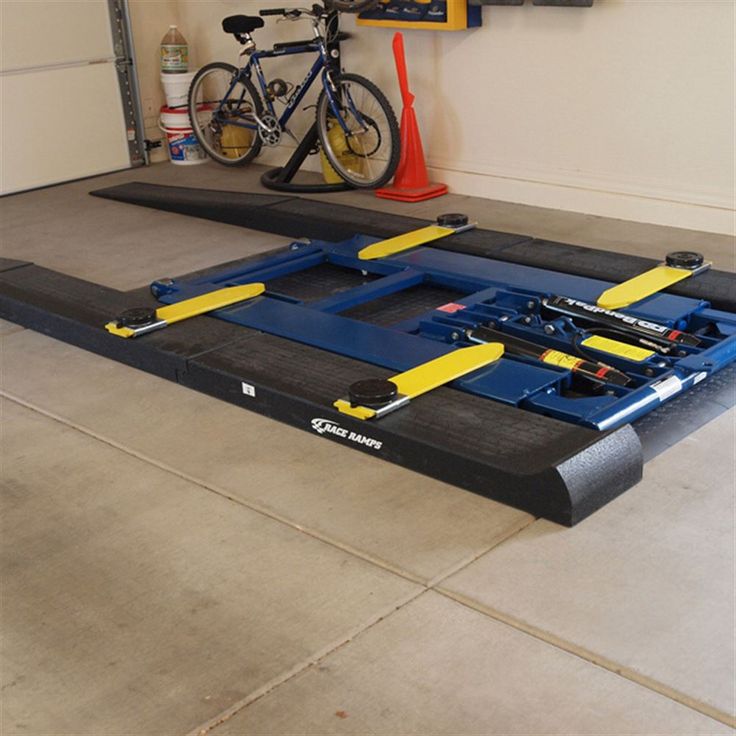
(678, 266)
(446, 225)
(139, 321)
(400, 389)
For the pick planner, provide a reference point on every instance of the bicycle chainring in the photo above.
(271, 135)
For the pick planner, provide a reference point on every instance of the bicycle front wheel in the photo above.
(367, 156)
(220, 106)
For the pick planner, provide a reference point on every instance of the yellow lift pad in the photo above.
(430, 375)
(384, 248)
(187, 308)
(642, 286)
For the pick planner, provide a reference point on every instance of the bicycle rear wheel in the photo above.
(215, 110)
(368, 155)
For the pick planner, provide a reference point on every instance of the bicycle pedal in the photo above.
(269, 130)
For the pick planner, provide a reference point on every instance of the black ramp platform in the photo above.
(547, 467)
(296, 218)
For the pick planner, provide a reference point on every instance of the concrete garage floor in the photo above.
(176, 565)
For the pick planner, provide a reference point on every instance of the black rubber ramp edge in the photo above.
(295, 217)
(546, 467)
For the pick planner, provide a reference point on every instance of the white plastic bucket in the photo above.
(176, 87)
(182, 143)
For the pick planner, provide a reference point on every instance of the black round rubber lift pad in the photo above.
(684, 259)
(372, 392)
(452, 219)
(136, 317)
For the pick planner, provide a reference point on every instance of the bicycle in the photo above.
(233, 120)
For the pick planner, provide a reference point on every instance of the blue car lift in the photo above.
(471, 357)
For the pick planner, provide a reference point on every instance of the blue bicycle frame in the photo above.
(322, 64)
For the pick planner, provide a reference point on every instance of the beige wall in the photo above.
(625, 109)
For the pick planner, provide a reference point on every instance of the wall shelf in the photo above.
(436, 15)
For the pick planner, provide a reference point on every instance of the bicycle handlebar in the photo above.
(317, 12)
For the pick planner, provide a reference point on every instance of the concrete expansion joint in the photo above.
(312, 662)
(301, 668)
(593, 658)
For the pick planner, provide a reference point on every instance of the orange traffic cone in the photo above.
(411, 183)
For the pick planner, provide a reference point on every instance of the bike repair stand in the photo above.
(281, 178)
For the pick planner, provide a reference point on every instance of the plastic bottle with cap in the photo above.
(174, 52)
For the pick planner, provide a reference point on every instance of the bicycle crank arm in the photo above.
(261, 124)
(374, 398)
(141, 320)
(446, 225)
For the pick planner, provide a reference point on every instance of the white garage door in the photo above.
(62, 111)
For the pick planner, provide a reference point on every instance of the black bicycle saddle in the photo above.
(242, 23)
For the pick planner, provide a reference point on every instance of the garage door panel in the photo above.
(36, 34)
(60, 124)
